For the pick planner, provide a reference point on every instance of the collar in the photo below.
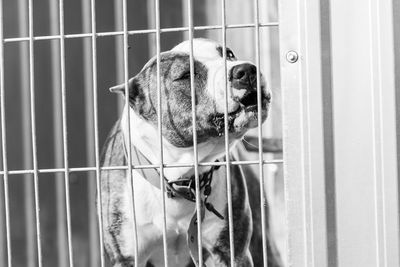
(183, 187)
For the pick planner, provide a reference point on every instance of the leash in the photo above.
(183, 187)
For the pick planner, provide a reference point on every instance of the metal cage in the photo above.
(335, 64)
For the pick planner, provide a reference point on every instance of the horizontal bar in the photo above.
(110, 168)
(148, 31)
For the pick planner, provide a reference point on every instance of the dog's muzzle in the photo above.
(243, 77)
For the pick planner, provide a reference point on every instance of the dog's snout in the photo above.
(243, 76)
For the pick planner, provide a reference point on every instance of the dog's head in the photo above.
(210, 93)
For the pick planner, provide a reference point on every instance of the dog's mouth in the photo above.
(248, 104)
(249, 99)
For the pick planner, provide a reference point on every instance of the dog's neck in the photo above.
(144, 137)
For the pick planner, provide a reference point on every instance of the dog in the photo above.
(177, 139)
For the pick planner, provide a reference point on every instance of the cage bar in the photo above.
(4, 141)
(328, 250)
(26, 142)
(160, 138)
(134, 32)
(96, 135)
(33, 131)
(109, 168)
(119, 72)
(64, 130)
(129, 152)
(95, 257)
(377, 133)
(226, 129)
(62, 238)
(263, 198)
(90, 79)
(194, 121)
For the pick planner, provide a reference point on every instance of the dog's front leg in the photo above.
(242, 222)
(220, 251)
(123, 251)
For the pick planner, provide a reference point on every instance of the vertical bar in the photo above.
(396, 43)
(118, 46)
(263, 197)
(129, 159)
(62, 239)
(96, 129)
(226, 129)
(385, 165)
(64, 129)
(307, 184)
(95, 133)
(185, 34)
(26, 141)
(328, 134)
(151, 20)
(90, 101)
(376, 101)
(94, 255)
(3, 237)
(159, 117)
(33, 131)
(195, 159)
(3, 139)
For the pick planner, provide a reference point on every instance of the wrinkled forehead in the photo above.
(202, 49)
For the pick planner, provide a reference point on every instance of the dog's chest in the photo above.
(179, 212)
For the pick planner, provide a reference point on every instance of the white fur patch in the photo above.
(206, 52)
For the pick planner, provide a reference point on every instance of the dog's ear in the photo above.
(132, 88)
(137, 97)
(120, 89)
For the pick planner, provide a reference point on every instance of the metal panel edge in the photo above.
(303, 148)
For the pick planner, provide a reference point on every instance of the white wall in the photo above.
(340, 132)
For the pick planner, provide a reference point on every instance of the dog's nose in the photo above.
(243, 76)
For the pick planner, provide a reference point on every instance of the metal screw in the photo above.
(292, 56)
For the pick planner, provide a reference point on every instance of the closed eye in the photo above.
(184, 76)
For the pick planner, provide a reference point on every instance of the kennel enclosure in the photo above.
(334, 63)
